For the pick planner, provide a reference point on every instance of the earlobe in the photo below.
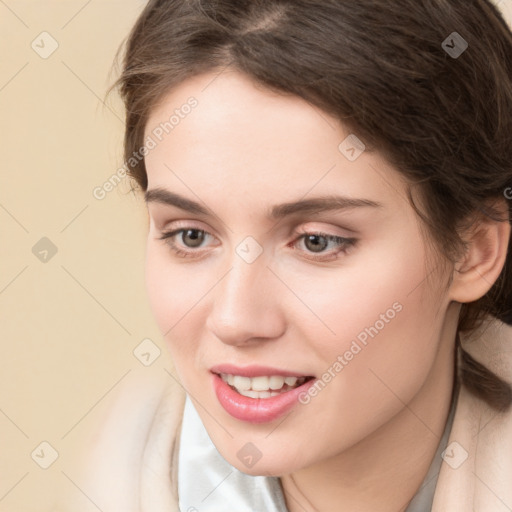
(483, 260)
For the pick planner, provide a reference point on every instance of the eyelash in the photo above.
(345, 243)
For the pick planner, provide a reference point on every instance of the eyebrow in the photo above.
(305, 206)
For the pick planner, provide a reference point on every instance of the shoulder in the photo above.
(477, 467)
(491, 344)
(126, 458)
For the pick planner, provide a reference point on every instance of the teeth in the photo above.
(259, 383)
(241, 383)
(262, 386)
(276, 382)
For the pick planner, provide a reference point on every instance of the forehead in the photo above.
(232, 93)
(233, 112)
(258, 142)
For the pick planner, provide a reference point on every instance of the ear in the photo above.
(484, 257)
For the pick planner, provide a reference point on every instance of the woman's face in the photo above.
(249, 291)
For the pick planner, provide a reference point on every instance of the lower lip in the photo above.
(256, 410)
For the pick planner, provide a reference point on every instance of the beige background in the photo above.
(69, 325)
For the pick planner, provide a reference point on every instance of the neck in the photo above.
(385, 470)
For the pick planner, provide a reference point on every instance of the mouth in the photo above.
(262, 386)
(259, 399)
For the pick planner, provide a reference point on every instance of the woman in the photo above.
(328, 187)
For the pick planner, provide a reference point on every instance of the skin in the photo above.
(242, 150)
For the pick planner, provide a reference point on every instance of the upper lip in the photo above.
(255, 371)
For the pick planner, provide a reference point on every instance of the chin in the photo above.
(271, 462)
(272, 469)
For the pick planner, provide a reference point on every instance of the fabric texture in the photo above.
(131, 462)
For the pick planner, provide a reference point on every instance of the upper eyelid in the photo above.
(347, 232)
(296, 232)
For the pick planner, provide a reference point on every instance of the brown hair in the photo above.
(387, 69)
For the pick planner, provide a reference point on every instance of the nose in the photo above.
(246, 307)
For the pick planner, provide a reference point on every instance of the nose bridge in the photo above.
(245, 305)
(242, 283)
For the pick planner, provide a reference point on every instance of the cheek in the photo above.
(381, 329)
(172, 296)
(161, 285)
(373, 294)
(169, 288)
(381, 368)
(178, 300)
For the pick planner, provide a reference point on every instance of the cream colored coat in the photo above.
(127, 465)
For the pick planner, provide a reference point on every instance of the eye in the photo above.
(191, 237)
(317, 242)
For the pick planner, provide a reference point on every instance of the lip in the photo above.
(257, 410)
(255, 371)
